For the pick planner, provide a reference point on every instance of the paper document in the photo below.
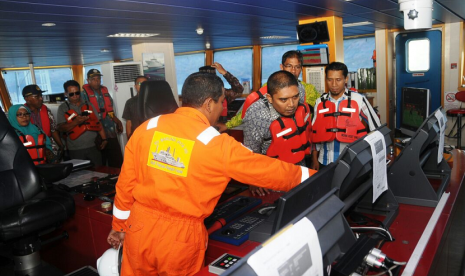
(378, 152)
(80, 177)
(295, 251)
(442, 127)
(77, 162)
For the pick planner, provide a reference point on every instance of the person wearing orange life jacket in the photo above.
(78, 119)
(276, 126)
(33, 138)
(175, 169)
(291, 61)
(99, 97)
(338, 117)
(42, 117)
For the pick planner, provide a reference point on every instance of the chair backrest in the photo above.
(460, 96)
(19, 180)
(155, 98)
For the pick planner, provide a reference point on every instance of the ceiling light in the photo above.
(199, 31)
(131, 35)
(104, 50)
(207, 45)
(48, 24)
(357, 24)
(275, 37)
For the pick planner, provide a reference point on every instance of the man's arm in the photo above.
(236, 87)
(128, 128)
(253, 131)
(369, 114)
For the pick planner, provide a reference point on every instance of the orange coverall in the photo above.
(161, 201)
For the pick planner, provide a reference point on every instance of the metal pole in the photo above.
(33, 75)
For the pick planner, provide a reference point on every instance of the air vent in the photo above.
(126, 72)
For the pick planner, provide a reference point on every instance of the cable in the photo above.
(374, 229)
(387, 271)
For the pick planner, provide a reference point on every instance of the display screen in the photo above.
(415, 108)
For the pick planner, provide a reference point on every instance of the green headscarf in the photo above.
(30, 129)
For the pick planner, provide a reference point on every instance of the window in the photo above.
(50, 80)
(237, 62)
(186, 65)
(271, 59)
(358, 53)
(418, 55)
(87, 68)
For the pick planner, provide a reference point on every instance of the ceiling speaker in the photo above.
(315, 32)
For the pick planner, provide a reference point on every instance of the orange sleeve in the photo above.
(124, 187)
(251, 168)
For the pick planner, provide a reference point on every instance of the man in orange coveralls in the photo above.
(175, 168)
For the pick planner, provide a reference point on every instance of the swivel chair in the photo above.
(27, 208)
(155, 98)
(459, 113)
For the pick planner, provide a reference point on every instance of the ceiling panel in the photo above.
(83, 26)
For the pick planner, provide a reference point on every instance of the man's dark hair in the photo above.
(292, 54)
(207, 69)
(279, 80)
(71, 83)
(139, 77)
(200, 86)
(337, 66)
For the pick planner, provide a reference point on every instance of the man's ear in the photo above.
(207, 104)
(269, 97)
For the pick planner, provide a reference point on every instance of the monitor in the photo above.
(415, 105)
(315, 32)
(409, 175)
(301, 197)
(314, 54)
(324, 198)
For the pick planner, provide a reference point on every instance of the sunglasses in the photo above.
(26, 114)
(75, 93)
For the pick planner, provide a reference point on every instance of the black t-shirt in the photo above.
(130, 113)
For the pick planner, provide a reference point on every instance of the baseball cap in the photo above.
(93, 72)
(32, 89)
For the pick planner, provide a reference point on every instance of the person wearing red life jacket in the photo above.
(338, 117)
(42, 117)
(79, 120)
(276, 125)
(176, 166)
(291, 61)
(38, 144)
(98, 96)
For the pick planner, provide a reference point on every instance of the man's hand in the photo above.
(80, 119)
(315, 164)
(258, 190)
(103, 144)
(115, 238)
(219, 67)
(119, 125)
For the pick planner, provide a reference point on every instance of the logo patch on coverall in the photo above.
(170, 153)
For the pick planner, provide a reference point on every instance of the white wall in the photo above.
(168, 50)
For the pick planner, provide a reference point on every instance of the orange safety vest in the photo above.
(289, 140)
(253, 97)
(94, 102)
(36, 151)
(93, 124)
(344, 125)
(44, 119)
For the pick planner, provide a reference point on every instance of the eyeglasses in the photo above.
(26, 114)
(75, 93)
(290, 66)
